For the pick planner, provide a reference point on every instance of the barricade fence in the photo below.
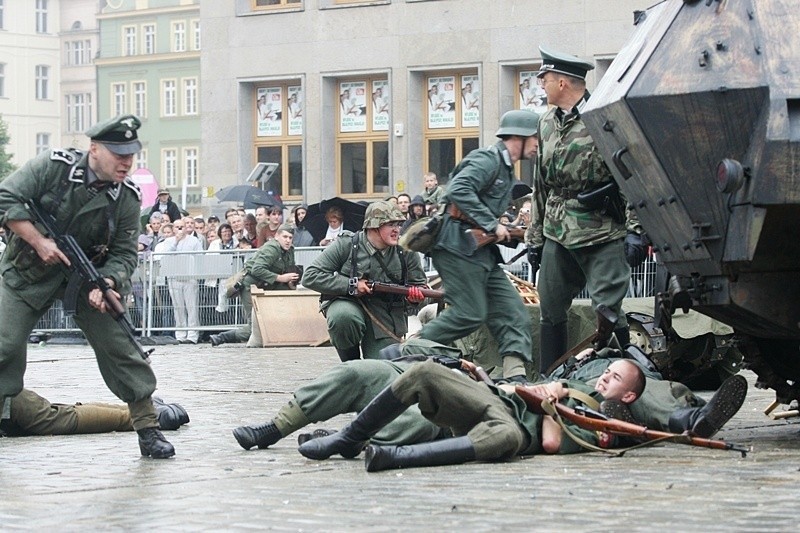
(150, 303)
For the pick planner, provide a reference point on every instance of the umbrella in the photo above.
(315, 221)
(249, 196)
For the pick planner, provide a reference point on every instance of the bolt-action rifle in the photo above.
(392, 288)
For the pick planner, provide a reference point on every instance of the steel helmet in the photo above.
(382, 212)
(519, 122)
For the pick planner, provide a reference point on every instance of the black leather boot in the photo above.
(153, 444)
(170, 415)
(705, 421)
(453, 451)
(623, 336)
(349, 354)
(552, 345)
(349, 442)
(262, 436)
(393, 351)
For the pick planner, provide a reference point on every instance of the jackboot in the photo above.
(623, 336)
(552, 345)
(705, 421)
(170, 415)
(453, 451)
(262, 436)
(349, 442)
(153, 444)
(349, 354)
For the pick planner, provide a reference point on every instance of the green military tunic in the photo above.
(349, 324)
(477, 290)
(57, 180)
(263, 268)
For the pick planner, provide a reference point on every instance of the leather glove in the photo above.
(636, 248)
(415, 295)
(534, 258)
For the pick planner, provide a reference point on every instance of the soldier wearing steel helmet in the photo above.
(358, 320)
(477, 289)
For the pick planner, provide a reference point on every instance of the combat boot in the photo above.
(302, 438)
(262, 436)
(153, 444)
(617, 410)
(553, 344)
(705, 421)
(393, 351)
(349, 442)
(349, 354)
(453, 451)
(623, 336)
(170, 415)
(216, 340)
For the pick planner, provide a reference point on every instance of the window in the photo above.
(79, 53)
(129, 40)
(169, 98)
(42, 82)
(452, 108)
(169, 160)
(190, 96)
(41, 16)
(140, 159)
(362, 137)
(279, 130)
(140, 99)
(42, 142)
(267, 4)
(118, 97)
(149, 35)
(79, 112)
(190, 166)
(2, 79)
(196, 35)
(178, 36)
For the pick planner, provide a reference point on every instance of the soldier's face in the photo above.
(530, 148)
(390, 233)
(107, 165)
(284, 238)
(617, 381)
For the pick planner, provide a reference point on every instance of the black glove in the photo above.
(534, 258)
(636, 248)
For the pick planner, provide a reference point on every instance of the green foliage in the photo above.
(6, 166)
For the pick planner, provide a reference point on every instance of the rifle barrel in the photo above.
(391, 288)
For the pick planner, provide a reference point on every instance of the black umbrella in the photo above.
(249, 196)
(315, 221)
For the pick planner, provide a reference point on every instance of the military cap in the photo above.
(118, 134)
(286, 227)
(382, 212)
(563, 64)
(163, 191)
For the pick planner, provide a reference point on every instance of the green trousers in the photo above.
(126, 374)
(349, 325)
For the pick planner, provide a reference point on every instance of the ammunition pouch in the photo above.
(606, 199)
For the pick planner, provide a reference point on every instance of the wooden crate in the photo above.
(287, 318)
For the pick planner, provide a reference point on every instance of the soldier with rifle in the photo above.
(362, 320)
(89, 198)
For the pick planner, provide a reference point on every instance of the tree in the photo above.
(6, 166)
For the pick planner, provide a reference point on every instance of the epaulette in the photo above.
(132, 186)
(70, 156)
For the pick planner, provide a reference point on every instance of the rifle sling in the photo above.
(377, 322)
(584, 398)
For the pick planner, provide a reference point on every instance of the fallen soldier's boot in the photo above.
(705, 421)
(453, 451)
(170, 415)
(302, 438)
(262, 436)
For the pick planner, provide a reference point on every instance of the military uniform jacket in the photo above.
(330, 273)
(77, 213)
(480, 186)
(267, 264)
(569, 163)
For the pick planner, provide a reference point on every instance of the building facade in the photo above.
(359, 98)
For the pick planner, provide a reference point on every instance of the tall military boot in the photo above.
(349, 354)
(623, 336)
(153, 444)
(289, 419)
(170, 415)
(349, 442)
(453, 451)
(99, 418)
(514, 369)
(705, 421)
(552, 345)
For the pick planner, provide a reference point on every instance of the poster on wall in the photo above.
(295, 108)
(380, 105)
(353, 106)
(470, 101)
(531, 96)
(269, 107)
(441, 102)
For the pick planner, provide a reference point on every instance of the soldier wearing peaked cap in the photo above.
(94, 201)
(576, 236)
(358, 320)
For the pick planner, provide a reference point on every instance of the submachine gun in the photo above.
(82, 271)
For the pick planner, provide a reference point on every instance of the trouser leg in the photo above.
(178, 308)
(18, 320)
(347, 323)
(192, 299)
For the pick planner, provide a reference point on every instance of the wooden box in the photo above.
(287, 318)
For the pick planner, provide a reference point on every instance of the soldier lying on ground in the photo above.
(349, 387)
(31, 414)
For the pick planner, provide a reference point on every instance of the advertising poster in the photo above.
(353, 106)
(470, 101)
(380, 105)
(295, 107)
(269, 109)
(441, 102)
(531, 96)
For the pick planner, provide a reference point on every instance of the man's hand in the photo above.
(502, 233)
(48, 251)
(289, 277)
(534, 259)
(97, 300)
(415, 295)
(636, 248)
(363, 288)
(555, 390)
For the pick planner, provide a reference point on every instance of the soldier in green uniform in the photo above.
(360, 321)
(480, 188)
(490, 423)
(92, 199)
(574, 242)
(271, 268)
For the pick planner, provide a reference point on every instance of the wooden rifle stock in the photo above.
(483, 238)
(612, 426)
(391, 288)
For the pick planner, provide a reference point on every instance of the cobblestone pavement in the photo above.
(92, 482)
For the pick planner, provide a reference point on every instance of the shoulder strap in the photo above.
(353, 255)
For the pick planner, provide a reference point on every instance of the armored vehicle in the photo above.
(699, 120)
